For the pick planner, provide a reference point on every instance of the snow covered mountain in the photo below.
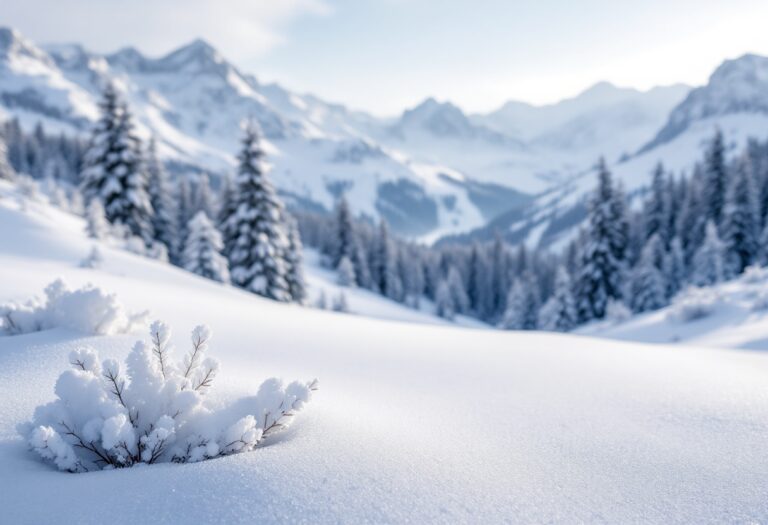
(433, 171)
(194, 101)
(733, 101)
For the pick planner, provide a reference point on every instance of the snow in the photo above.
(414, 422)
(728, 315)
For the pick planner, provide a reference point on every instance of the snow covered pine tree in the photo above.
(202, 250)
(114, 172)
(255, 237)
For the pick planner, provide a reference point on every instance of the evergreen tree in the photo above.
(164, 220)
(443, 302)
(294, 258)
(6, 170)
(599, 277)
(740, 222)
(345, 273)
(255, 238)
(185, 209)
(458, 292)
(202, 198)
(385, 265)
(114, 171)
(96, 222)
(715, 178)
(559, 312)
(647, 288)
(708, 261)
(691, 218)
(345, 244)
(657, 208)
(202, 250)
(674, 268)
(522, 305)
(499, 277)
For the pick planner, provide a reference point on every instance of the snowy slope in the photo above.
(737, 318)
(413, 423)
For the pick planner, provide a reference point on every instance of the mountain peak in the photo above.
(198, 56)
(738, 85)
(12, 43)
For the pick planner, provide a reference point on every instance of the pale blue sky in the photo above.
(383, 55)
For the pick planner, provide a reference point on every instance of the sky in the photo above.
(386, 55)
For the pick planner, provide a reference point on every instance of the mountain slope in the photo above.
(194, 102)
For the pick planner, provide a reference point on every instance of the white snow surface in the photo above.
(733, 314)
(413, 423)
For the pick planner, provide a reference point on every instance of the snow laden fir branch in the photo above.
(154, 410)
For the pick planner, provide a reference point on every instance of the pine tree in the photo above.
(114, 171)
(647, 288)
(559, 312)
(715, 178)
(385, 265)
(657, 207)
(345, 273)
(444, 306)
(522, 306)
(96, 222)
(458, 292)
(345, 234)
(599, 277)
(202, 199)
(691, 219)
(674, 268)
(185, 208)
(740, 222)
(6, 170)
(297, 287)
(499, 277)
(255, 238)
(708, 261)
(164, 220)
(202, 250)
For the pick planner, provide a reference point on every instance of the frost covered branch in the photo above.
(155, 411)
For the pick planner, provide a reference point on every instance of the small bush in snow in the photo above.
(693, 303)
(154, 409)
(754, 275)
(88, 309)
(340, 303)
(93, 260)
(617, 312)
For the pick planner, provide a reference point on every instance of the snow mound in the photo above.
(692, 304)
(154, 411)
(88, 309)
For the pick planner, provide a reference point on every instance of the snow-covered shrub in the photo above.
(693, 303)
(340, 303)
(617, 312)
(754, 275)
(153, 410)
(88, 309)
(345, 272)
(94, 259)
(322, 302)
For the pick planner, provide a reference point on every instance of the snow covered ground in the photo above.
(737, 317)
(413, 422)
